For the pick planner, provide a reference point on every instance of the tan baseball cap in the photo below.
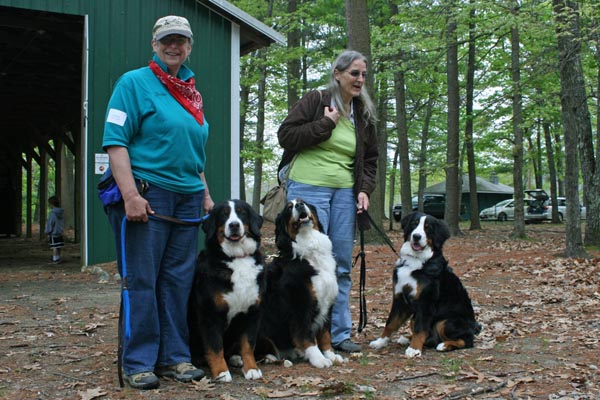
(171, 25)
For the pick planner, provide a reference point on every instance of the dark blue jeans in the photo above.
(160, 260)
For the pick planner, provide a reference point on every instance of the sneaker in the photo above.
(142, 381)
(182, 372)
(54, 262)
(347, 346)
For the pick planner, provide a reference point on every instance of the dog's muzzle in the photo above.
(415, 242)
(234, 232)
(301, 214)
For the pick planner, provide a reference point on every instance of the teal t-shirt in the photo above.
(166, 144)
(331, 163)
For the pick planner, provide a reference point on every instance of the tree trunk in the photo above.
(423, 150)
(244, 98)
(475, 223)
(575, 116)
(551, 170)
(401, 126)
(519, 223)
(359, 39)
(260, 131)
(294, 67)
(453, 186)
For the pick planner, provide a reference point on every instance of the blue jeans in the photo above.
(337, 212)
(160, 264)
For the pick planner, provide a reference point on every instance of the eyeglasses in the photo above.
(173, 39)
(356, 73)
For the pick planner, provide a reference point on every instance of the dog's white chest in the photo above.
(315, 247)
(404, 275)
(245, 291)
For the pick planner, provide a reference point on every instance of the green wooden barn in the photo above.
(59, 61)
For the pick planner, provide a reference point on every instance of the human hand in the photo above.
(362, 203)
(208, 203)
(332, 113)
(137, 208)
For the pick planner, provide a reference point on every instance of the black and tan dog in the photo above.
(224, 313)
(428, 293)
(301, 289)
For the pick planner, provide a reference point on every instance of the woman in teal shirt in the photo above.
(155, 132)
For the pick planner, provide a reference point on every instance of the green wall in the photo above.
(119, 40)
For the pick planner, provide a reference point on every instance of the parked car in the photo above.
(503, 210)
(534, 212)
(433, 204)
(562, 209)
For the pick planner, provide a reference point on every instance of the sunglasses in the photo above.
(356, 73)
(172, 39)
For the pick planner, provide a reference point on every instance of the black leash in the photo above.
(362, 227)
(362, 322)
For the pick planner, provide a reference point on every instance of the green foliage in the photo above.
(408, 37)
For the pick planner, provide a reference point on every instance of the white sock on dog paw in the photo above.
(336, 358)
(236, 361)
(403, 340)
(253, 374)
(379, 343)
(411, 353)
(224, 377)
(316, 358)
(441, 347)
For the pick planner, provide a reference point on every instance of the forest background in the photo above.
(474, 87)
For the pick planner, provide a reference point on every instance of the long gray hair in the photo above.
(341, 63)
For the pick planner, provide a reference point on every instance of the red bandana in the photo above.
(184, 92)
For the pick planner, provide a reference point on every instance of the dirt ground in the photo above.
(58, 329)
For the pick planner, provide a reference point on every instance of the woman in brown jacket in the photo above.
(330, 136)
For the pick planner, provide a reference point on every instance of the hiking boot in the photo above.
(182, 372)
(142, 381)
(347, 346)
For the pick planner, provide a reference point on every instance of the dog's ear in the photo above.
(256, 222)
(441, 233)
(405, 222)
(209, 226)
(282, 237)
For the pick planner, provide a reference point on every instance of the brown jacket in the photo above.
(306, 126)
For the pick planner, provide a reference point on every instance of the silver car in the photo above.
(503, 210)
(562, 209)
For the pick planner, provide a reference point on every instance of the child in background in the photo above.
(54, 229)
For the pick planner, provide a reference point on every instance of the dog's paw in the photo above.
(316, 358)
(379, 343)
(270, 359)
(236, 361)
(411, 353)
(442, 347)
(224, 376)
(253, 374)
(403, 340)
(335, 358)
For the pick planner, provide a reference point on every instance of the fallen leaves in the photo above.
(539, 340)
(91, 394)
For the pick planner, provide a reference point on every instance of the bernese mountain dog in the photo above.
(224, 312)
(301, 290)
(428, 293)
